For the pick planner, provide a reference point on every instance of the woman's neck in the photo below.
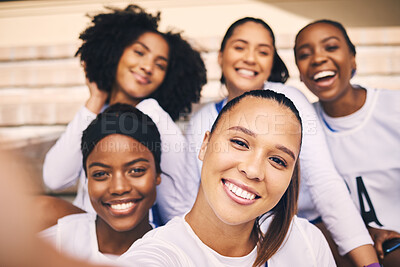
(227, 240)
(233, 91)
(352, 100)
(119, 96)
(113, 242)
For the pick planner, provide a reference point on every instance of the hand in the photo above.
(379, 236)
(97, 97)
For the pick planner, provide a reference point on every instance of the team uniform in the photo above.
(175, 244)
(322, 191)
(63, 163)
(75, 235)
(365, 148)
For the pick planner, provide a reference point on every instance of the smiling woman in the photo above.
(127, 60)
(249, 60)
(122, 163)
(362, 128)
(244, 214)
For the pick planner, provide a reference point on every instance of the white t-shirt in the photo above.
(365, 148)
(322, 190)
(75, 235)
(175, 244)
(63, 162)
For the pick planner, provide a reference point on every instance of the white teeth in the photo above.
(230, 186)
(239, 191)
(247, 72)
(323, 74)
(122, 206)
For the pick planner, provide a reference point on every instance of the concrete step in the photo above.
(371, 60)
(40, 106)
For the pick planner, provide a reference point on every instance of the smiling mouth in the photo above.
(324, 75)
(141, 79)
(122, 206)
(247, 73)
(240, 192)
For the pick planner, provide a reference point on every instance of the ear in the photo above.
(158, 179)
(220, 59)
(353, 65)
(204, 145)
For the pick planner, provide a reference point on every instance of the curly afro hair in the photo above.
(185, 77)
(106, 39)
(110, 33)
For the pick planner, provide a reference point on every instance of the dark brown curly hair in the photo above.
(105, 40)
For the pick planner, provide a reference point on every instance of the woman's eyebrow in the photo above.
(286, 150)
(148, 49)
(144, 46)
(328, 38)
(243, 130)
(322, 41)
(246, 42)
(99, 164)
(136, 161)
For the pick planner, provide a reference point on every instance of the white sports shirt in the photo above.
(365, 148)
(322, 190)
(63, 162)
(175, 244)
(75, 235)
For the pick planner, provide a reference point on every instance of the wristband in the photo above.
(375, 264)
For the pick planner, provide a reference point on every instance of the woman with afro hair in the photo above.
(127, 60)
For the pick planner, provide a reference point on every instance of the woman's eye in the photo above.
(238, 48)
(239, 143)
(303, 55)
(278, 161)
(137, 171)
(100, 175)
(161, 66)
(332, 48)
(264, 53)
(138, 52)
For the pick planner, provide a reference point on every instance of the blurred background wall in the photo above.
(42, 83)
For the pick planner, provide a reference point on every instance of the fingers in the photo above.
(380, 236)
(378, 240)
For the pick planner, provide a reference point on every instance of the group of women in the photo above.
(146, 199)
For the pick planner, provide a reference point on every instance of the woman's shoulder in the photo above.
(293, 93)
(388, 96)
(306, 244)
(386, 99)
(74, 234)
(202, 119)
(206, 112)
(150, 106)
(175, 225)
(77, 218)
(168, 129)
(159, 247)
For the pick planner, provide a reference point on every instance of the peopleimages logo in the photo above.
(309, 123)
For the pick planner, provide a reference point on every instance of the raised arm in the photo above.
(63, 162)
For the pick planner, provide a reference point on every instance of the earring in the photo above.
(353, 72)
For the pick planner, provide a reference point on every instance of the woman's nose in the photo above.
(119, 184)
(252, 167)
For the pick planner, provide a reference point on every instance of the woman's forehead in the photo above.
(261, 116)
